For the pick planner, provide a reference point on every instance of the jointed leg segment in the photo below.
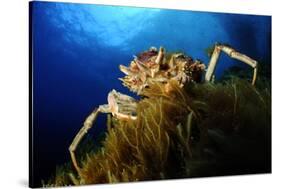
(83, 131)
(233, 54)
(119, 105)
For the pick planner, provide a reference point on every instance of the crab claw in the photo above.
(122, 106)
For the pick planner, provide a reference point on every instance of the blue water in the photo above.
(77, 49)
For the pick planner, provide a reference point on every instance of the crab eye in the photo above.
(134, 114)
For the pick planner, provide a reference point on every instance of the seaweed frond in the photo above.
(198, 130)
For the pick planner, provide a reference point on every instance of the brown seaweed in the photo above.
(199, 130)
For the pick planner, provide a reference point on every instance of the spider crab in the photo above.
(155, 66)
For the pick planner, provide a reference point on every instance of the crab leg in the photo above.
(233, 54)
(119, 105)
(88, 123)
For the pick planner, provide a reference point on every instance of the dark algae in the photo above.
(196, 130)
